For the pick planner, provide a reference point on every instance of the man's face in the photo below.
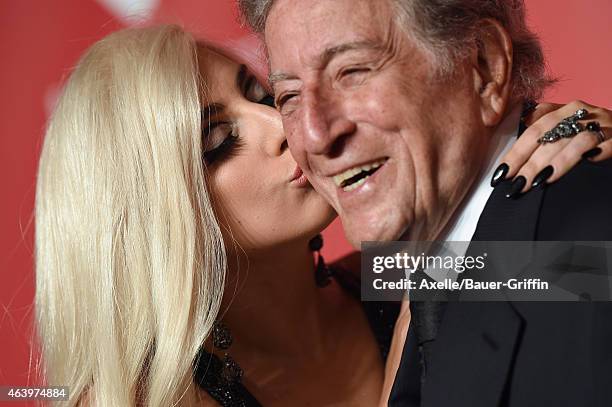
(393, 148)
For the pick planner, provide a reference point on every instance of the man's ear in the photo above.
(492, 68)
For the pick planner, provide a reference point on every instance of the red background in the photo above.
(41, 40)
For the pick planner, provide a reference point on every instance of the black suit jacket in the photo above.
(524, 353)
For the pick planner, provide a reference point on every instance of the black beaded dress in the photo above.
(208, 367)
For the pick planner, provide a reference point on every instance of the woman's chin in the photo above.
(286, 230)
(313, 222)
(328, 214)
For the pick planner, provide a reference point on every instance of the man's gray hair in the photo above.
(448, 29)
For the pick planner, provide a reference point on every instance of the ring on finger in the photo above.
(566, 128)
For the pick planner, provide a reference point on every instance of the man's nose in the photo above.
(324, 125)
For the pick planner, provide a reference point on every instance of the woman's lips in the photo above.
(298, 178)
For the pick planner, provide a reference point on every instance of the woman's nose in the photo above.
(271, 131)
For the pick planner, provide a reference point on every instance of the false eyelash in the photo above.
(230, 147)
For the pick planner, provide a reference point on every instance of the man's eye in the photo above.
(353, 70)
(353, 76)
(284, 99)
(256, 93)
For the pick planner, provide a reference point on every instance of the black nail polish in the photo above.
(542, 176)
(592, 153)
(517, 186)
(500, 174)
(593, 126)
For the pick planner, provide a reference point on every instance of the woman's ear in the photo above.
(492, 69)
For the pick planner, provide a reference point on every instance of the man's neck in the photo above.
(462, 224)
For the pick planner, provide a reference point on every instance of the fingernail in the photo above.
(517, 186)
(542, 176)
(593, 126)
(500, 174)
(592, 153)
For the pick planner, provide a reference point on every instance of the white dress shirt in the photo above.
(462, 225)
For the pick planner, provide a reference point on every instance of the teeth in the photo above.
(340, 178)
(355, 184)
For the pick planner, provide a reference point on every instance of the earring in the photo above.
(222, 339)
(323, 273)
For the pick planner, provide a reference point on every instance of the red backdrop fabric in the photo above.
(41, 40)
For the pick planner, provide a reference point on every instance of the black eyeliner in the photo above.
(228, 148)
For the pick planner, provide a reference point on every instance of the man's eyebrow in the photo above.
(279, 76)
(327, 55)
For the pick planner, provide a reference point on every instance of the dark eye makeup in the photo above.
(256, 93)
(220, 137)
(220, 142)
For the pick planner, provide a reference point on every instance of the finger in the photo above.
(539, 160)
(572, 154)
(527, 144)
(605, 147)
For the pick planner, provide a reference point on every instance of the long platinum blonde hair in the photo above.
(130, 261)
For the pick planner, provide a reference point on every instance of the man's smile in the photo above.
(355, 176)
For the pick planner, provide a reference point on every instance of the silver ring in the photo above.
(566, 128)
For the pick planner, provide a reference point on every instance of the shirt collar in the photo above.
(462, 224)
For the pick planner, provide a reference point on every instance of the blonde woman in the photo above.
(173, 264)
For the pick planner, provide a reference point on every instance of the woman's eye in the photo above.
(219, 140)
(215, 135)
(268, 100)
(256, 93)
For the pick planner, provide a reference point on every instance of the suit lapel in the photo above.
(509, 219)
(475, 346)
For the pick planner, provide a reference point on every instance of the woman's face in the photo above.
(258, 191)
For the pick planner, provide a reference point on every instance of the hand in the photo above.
(529, 159)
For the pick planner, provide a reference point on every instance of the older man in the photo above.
(396, 110)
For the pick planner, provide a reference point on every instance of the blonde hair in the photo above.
(130, 261)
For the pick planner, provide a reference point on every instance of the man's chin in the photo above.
(357, 232)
